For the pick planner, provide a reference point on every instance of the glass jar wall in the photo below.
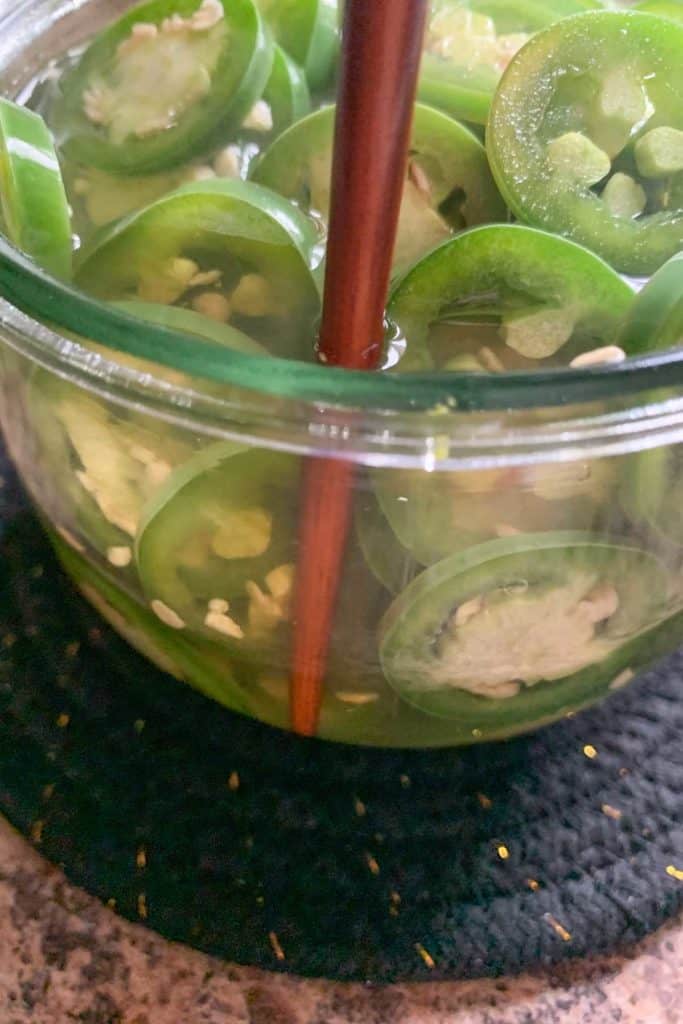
(516, 539)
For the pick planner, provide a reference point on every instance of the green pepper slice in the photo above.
(228, 249)
(672, 9)
(34, 204)
(98, 199)
(167, 81)
(108, 502)
(216, 546)
(308, 31)
(109, 463)
(448, 185)
(505, 297)
(186, 321)
(286, 98)
(388, 560)
(652, 491)
(435, 515)
(506, 633)
(585, 136)
(655, 319)
(358, 706)
(498, 298)
(286, 94)
(195, 661)
(469, 44)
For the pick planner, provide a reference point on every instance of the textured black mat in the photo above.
(317, 859)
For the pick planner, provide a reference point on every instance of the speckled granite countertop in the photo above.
(65, 959)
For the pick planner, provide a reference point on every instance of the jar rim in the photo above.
(422, 421)
(47, 300)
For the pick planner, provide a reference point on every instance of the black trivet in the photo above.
(319, 859)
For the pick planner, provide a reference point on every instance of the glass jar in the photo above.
(516, 544)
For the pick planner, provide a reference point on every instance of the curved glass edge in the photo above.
(442, 439)
(40, 296)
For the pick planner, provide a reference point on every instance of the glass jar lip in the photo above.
(62, 307)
